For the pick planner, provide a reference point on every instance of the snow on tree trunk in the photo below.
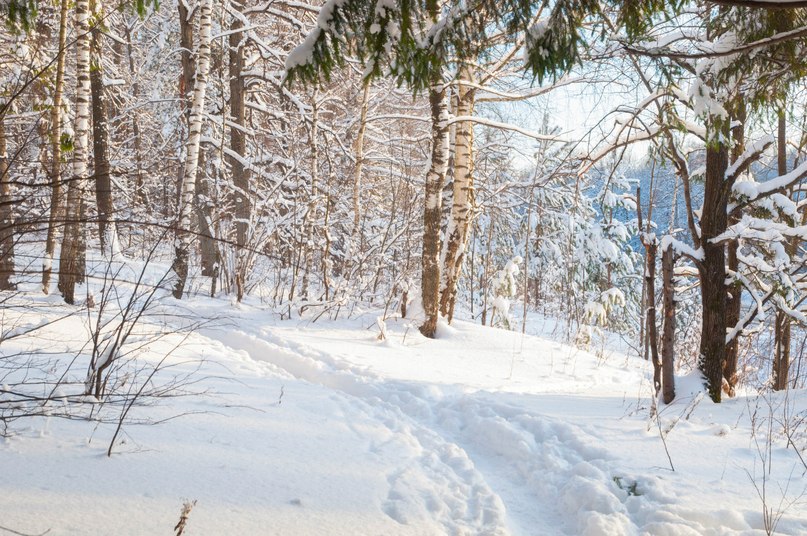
(430, 282)
(735, 296)
(462, 202)
(184, 238)
(238, 145)
(56, 205)
(72, 259)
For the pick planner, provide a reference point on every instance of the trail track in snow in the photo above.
(488, 463)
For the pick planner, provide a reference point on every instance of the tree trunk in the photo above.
(462, 201)
(309, 224)
(186, 80)
(359, 149)
(781, 359)
(238, 145)
(141, 197)
(204, 202)
(484, 284)
(713, 267)
(56, 206)
(668, 330)
(733, 307)
(734, 298)
(651, 247)
(430, 281)
(6, 216)
(72, 259)
(100, 145)
(187, 14)
(184, 238)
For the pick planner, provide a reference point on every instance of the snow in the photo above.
(750, 191)
(301, 427)
(681, 248)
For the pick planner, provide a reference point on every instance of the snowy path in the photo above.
(321, 429)
(489, 467)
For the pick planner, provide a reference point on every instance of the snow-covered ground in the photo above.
(301, 427)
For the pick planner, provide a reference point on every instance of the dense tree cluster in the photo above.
(401, 153)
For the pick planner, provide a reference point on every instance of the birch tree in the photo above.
(72, 259)
(184, 239)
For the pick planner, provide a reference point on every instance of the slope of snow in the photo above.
(303, 427)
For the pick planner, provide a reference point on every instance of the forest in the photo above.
(360, 199)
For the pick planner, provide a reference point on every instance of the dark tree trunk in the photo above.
(713, 267)
(781, 358)
(735, 290)
(733, 305)
(238, 145)
(186, 80)
(141, 197)
(651, 247)
(100, 145)
(208, 250)
(668, 331)
(238, 138)
(6, 216)
(56, 202)
(430, 283)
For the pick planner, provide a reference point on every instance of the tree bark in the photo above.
(734, 299)
(651, 247)
(204, 202)
(190, 169)
(186, 80)
(781, 359)
(462, 200)
(309, 237)
(6, 216)
(713, 267)
(100, 145)
(668, 330)
(141, 197)
(357, 171)
(430, 281)
(56, 205)
(238, 145)
(72, 259)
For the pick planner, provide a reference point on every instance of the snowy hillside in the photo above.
(301, 428)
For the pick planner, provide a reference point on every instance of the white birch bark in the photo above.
(191, 167)
(462, 202)
(71, 261)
